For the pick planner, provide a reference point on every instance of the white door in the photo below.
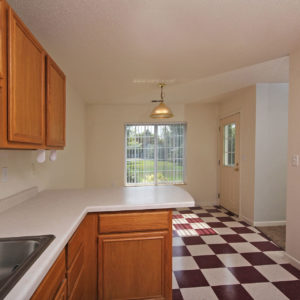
(229, 163)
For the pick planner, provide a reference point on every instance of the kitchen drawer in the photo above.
(75, 271)
(76, 242)
(134, 221)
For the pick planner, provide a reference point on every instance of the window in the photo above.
(229, 145)
(154, 154)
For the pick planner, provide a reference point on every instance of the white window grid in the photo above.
(156, 168)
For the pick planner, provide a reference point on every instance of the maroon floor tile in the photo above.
(225, 219)
(233, 238)
(247, 274)
(292, 270)
(216, 224)
(190, 278)
(208, 261)
(213, 210)
(193, 240)
(289, 288)
(186, 211)
(258, 258)
(231, 292)
(204, 215)
(177, 295)
(266, 246)
(181, 251)
(195, 207)
(242, 230)
(244, 223)
(222, 248)
(194, 220)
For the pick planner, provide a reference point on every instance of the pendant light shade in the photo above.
(161, 111)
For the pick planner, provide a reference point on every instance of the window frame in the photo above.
(155, 124)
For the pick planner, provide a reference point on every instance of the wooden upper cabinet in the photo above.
(56, 105)
(26, 84)
(2, 40)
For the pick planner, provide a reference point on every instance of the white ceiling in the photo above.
(205, 45)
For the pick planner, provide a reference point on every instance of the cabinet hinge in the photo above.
(219, 195)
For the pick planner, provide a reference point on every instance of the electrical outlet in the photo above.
(295, 160)
(4, 174)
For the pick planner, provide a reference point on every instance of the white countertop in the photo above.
(59, 212)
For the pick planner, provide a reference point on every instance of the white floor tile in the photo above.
(197, 250)
(177, 241)
(184, 263)
(264, 291)
(224, 230)
(199, 211)
(244, 247)
(219, 214)
(219, 276)
(253, 237)
(233, 224)
(254, 229)
(278, 256)
(209, 219)
(198, 293)
(180, 221)
(275, 273)
(233, 260)
(213, 239)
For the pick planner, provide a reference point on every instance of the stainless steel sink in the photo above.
(16, 256)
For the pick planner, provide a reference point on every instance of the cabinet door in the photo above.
(26, 84)
(56, 105)
(2, 40)
(52, 283)
(135, 266)
(62, 292)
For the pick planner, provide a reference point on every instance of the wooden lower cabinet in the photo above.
(135, 263)
(54, 284)
(123, 259)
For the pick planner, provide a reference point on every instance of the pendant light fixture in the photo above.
(161, 111)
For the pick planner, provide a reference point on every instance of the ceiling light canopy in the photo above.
(161, 111)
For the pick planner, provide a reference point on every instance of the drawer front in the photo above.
(53, 280)
(75, 243)
(134, 221)
(75, 271)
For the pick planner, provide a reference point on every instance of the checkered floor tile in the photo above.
(239, 262)
(190, 224)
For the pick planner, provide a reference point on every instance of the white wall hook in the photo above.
(53, 155)
(41, 156)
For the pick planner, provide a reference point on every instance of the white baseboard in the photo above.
(15, 199)
(295, 262)
(247, 220)
(269, 223)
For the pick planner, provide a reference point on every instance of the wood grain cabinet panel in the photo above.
(2, 40)
(62, 292)
(133, 221)
(56, 105)
(26, 84)
(51, 284)
(134, 266)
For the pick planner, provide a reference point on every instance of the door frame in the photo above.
(219, 150)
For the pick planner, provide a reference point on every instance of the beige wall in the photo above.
(68, 171)
(105, 145)
(244, 101)
(293, 180)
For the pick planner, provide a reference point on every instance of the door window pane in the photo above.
(229, 145)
